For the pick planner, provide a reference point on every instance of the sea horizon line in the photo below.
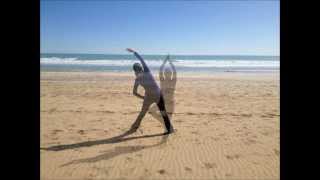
(164, 54)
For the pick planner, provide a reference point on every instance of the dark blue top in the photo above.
(145, 67)
(152, 90)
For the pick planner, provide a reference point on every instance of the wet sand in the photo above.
(227, 128)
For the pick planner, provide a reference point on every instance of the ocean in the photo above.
(184, 63)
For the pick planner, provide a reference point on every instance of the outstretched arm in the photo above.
(145, 67)
(161, 68)
(135, 90)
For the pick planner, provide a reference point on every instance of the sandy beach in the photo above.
(227, 127)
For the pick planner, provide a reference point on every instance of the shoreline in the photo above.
(236, 75)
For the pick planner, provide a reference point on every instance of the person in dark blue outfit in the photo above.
(152, 94)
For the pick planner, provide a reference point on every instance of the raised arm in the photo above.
(174, 73)
(162, 67)
(145, 67)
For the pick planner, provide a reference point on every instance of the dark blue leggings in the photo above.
(164, 114)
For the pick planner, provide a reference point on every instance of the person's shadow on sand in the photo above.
(117, 151)
(111, 153)
(116, 139)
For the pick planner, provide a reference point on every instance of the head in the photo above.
(167, 73)
(137, 68)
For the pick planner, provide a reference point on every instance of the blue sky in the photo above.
(160, 27)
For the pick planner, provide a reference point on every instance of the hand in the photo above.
(130, 50)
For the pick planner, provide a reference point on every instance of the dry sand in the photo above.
(227, 128)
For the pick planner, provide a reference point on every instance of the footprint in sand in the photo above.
(231, 157)
(55, 131)
(210, 165)
(129, 159)
(256, 163)
(269, 115)
(246, 115)
(161, 171)
(106, 111)
(81, 132)
(252, 141)
(52, 110)
(215, 138)
(187, 169)
(265, 133)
